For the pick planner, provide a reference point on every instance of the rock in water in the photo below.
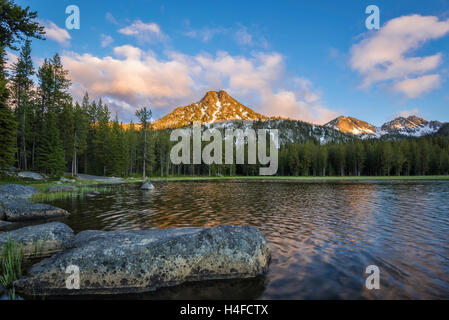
(5, 225)
(140, 261)
(16, 191)
(147, 186)
(24, 210)
(30, 175)
(55, 189)
(40, 240)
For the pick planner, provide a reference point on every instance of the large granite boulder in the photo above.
(39, 240)
(142, 261)
(23, 210)
(55, 189)
(30, 175)
(16, 191)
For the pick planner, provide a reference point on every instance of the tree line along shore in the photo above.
(44, 129)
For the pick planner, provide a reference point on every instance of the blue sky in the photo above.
(309, 60)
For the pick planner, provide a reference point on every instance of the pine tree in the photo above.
(7, 122)
(144, 116)
(51, 152)
(81, 127)
(22, 93)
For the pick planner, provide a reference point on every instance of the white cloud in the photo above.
(383, 56)
(11, 59)
(106, 40)
(406, 113)
(205, 34)
(133, 77)
(416, 87)
(144, 32)
(52, 31)
(243, 37)
(109, 17)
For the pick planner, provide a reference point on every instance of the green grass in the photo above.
(11, 263)
(83, 187)
(79, 192)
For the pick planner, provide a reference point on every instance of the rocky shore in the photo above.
(15, 205)
(138, 261)
(40, 240)
(124, 262)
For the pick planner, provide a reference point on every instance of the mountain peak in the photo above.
(215, 106)
(210, 98)
(351, 125)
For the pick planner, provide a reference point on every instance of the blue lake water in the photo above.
(323, 235)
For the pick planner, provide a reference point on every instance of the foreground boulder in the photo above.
(23, 210)
(40, 240)
(147, 186)
(16, 191)
(140, 261)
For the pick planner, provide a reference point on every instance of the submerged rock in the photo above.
(142, 261)
(30, 175)
(40, 240)
(16, 191)
(23, 210)
(147, 186)
(92, 194)
(55, 189)
(5, 224)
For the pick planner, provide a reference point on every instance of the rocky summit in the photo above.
(351, 125)
(412, 126)
(213, 107)
(141, 261)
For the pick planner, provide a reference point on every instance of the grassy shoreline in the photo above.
(42, 186)
(84, 187)
(304, 178)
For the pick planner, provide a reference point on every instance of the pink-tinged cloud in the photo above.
(106, 40)
(406, 113)
(384, 55)
(133, 78)
(144, 32)
(53, 32)
(416, 87)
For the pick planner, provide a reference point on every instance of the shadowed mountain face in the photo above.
(213, 107)
(410, 126)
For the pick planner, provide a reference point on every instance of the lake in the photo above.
(323, 235)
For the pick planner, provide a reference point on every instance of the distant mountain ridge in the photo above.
(411, 126)
(351, 125)
(219, 109)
